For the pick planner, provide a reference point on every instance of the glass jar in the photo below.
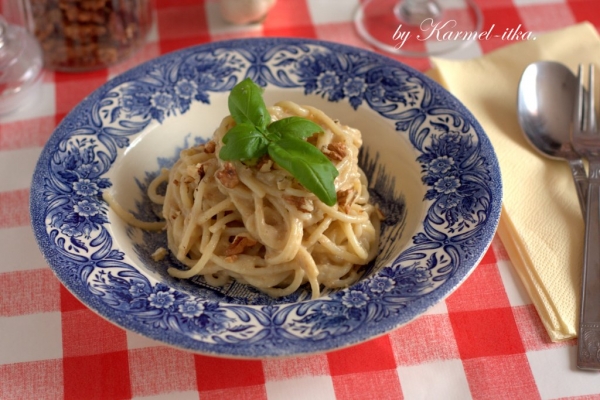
(20, 67)
(83, 35)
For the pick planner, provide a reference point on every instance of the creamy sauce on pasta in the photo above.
(256, 224)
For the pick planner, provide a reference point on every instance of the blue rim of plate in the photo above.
(69, 218)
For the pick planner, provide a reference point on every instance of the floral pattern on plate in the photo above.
(459, 171)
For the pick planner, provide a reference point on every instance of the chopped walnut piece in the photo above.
(336, 151)
(228, 176)
(266, 167)
(301, 203)
(239, 244)
(345, 198)
(264, 164)
(195, 172)
(175, 214)
(201, 171)
(159, 254)
(210, 147)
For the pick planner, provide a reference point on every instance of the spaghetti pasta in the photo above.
(258, 225)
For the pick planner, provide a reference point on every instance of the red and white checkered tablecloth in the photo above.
(484, 342)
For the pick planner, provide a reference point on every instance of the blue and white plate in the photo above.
(432, 172)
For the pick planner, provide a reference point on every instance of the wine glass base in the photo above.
(385, 25)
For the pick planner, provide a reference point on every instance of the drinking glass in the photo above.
(418, 28)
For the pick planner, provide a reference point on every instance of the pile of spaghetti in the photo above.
(258, 225)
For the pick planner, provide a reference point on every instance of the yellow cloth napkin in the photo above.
(541, 224)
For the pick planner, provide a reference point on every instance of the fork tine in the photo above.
(591, 109)
(578, 118)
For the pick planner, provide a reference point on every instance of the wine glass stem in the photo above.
(414, 12)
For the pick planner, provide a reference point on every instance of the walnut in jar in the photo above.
(80, 35)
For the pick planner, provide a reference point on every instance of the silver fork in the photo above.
(586, 141)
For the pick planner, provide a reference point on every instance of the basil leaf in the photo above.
(246, 104)
(254, 136)
(243, 142)
(294, 127)
(308, 165)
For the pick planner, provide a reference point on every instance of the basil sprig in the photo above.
(284, 141)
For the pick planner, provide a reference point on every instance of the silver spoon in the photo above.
(545, 103)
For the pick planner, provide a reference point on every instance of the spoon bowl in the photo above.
(545, 104)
